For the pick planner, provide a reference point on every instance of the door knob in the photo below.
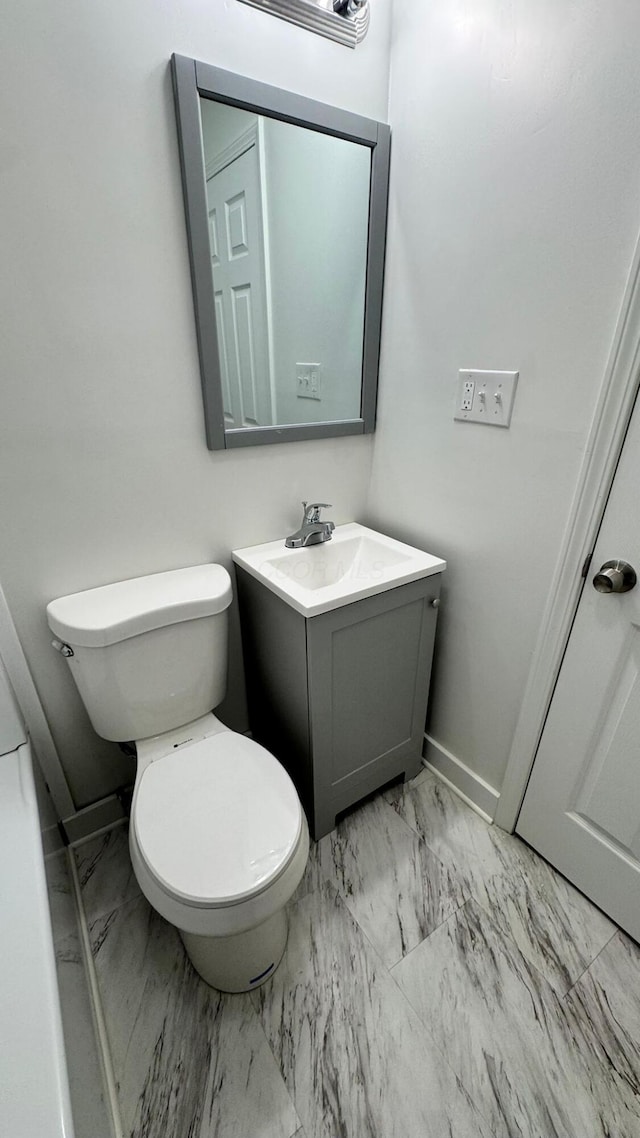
(615, 577)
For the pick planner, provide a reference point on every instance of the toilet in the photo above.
(218, 837)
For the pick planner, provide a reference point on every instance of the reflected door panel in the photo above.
(236, 236)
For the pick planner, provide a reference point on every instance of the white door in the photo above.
(582, 806)
(237, 262)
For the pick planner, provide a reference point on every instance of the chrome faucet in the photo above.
(312, 531)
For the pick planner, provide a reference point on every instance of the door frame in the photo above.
(605, 440)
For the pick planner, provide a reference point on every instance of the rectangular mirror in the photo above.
(285, 201)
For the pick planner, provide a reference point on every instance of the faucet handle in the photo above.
(312, 510)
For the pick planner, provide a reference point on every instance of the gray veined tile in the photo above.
(313, 877)
(356, 1058)
(423, 776)
(189, 1061)
(393, 885)
(555, 927)
(61, 899)
(514, 1044)
(90, 1113)
(607, 1000)
(105, 872)
(245, 1093)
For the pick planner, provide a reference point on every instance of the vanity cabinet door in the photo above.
(368, 669)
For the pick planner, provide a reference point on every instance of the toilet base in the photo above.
(243, 961)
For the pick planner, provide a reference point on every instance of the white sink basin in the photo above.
(357, 562)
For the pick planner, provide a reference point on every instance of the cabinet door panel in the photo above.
(369, 666)
(373, 665)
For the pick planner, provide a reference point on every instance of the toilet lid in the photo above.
(217, 820)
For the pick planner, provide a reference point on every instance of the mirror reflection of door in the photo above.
(237, 241)
(288, 232)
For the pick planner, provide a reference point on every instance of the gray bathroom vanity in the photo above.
(338, 642)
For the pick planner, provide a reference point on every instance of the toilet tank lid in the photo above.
(106, 615)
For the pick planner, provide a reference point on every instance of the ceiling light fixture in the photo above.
(343, 21)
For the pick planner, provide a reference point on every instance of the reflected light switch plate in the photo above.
(308, 377)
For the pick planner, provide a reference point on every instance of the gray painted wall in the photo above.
(515, 205)
(103, 464)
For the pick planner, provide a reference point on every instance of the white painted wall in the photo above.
(12, 729)
(103, 464)
(317, 195)
(515, 205)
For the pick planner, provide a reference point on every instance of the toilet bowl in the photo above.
(218, 838)
(218, 844)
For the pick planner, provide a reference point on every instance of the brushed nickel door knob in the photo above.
(615, 577)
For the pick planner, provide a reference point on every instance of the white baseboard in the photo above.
(88, 822)
(109, 1084)
(475, 791)
(52, 841)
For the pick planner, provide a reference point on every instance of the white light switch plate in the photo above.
(485, 397)
(309, 381)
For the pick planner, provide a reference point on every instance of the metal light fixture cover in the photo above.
(343, 21)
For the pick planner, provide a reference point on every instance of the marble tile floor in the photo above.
(91, 1116)
(440, 980)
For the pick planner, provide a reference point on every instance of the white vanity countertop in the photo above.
(357, 562)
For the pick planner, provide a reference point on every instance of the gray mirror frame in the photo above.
(191, 80)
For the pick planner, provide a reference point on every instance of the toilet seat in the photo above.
(217, 821)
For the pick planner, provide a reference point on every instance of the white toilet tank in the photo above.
(150, 654)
